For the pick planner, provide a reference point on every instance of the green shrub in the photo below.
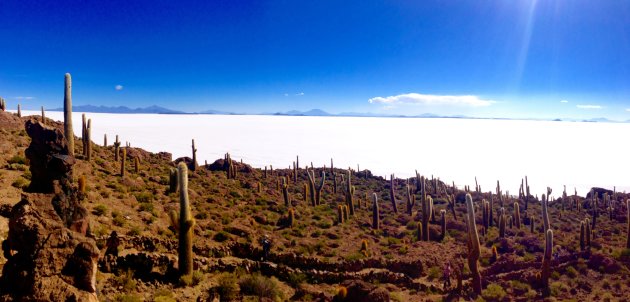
(125, 280)
(295, 279)
(163, 295)
(127, 298)
(146, 207)
(21, 183)
(493, 292)
(228, 287)
(221, 236)
(144, 197)
(17, 159)
(260, 286)
(433, 273)
(100, 210)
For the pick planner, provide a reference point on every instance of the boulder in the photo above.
(362, 291)
(45, 259)
(48, 157)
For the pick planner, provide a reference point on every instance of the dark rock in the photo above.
(222, 165)
(600, 192)
(362, 291)
(46, 260)
(48, 157)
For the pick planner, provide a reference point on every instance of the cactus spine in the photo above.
(391, 193)
(67, 114)
(376, 222)
(186, 223)
(547, 259)
(473, 245)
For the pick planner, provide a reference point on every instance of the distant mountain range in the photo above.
(313, 112)
(121, 109)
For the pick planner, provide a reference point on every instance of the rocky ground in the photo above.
(317, 257)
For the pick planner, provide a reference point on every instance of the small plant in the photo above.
(228, 287)
(125, 281)
(494, 292)
(17, 159)
(433, 273)
(20, 183)
(260, 286)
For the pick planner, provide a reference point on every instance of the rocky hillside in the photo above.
(60, 211)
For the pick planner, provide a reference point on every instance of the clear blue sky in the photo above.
(479, 58)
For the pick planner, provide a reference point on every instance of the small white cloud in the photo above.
(564, 101)
(428, 99)
(299, 94)
(286, 94)
(24, 97)
(589, 106)
(628, 109)
(119, 87)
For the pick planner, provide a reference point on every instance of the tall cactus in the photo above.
(427, 212)
(376, 221)
(502, 222)
(443, 223)
(194, 156)
(43, 116)
(186, 223)
(122, 163)
(285, 192)
(545, 214)
(582, 236)
(392, 197)
(172, 178)
(410, 200)
(19, 111)
(544, 275)
(517, 215)
(105, 140)
(350, 193)
(67, 114)
(474, 251)
(88, 140)
(116, 148)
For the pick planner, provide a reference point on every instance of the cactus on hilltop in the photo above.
(194, 157)
(349, 191)
(19, 111)
(43, 116)
(122, 163)
(411, 200)
(545, 214)
(502, 222)
(67, 114)
(517, 215)
(427, 212)
(116, 148)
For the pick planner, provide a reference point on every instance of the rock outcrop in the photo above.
(48, 157)
(46, 261)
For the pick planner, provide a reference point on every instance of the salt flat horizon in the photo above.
(579, 155)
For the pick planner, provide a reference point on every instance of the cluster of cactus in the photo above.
(86, 138)
(3, 104)
(392, 196)
(474, 250)
(230, 168)
(315, 192)
(342, 213)
(67, 114)
(376, 220)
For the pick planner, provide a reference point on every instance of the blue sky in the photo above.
(478, 58)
